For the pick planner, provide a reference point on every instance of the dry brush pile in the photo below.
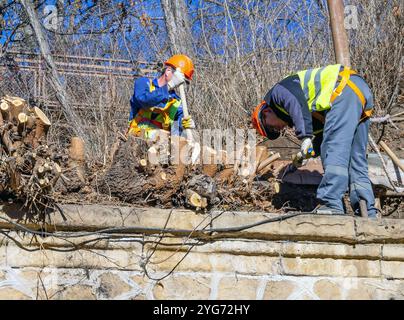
(30, 169)
(155, 172)
(169, 174)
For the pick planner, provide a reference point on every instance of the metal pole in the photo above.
(363, 208)
(339, 34)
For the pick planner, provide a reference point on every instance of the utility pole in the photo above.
(339, 34)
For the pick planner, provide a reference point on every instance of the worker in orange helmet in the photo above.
(156, 105)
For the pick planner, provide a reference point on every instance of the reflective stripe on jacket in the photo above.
(318, 85)
(302, 99)
(161, 116)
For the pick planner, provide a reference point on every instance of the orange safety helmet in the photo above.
(182, 62)
(269, 133)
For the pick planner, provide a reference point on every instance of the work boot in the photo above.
(327, 210)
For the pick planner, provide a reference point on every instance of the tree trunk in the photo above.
(178, 26)
(54, 78)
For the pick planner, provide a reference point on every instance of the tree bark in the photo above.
(54, 78)
(178, 27)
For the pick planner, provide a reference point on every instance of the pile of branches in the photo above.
(152, 173)
(29, 168)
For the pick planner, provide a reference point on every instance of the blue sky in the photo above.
(153, 9)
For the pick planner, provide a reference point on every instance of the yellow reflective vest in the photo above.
(318, 86)
(153, 118)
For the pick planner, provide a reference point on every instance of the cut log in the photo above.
(277, 187)
(17, 105)
(42, 116)
(262, 153)
(209, 159)
(195, 200)
(268, 164)
(47, 167)
(15, 101)
(22, 122)
(41, 171)
(143, 162)
(5, 110)
(77, 149)
(42, 126)
(42, 182)
(77, 157)
(178, 145)
(204, 185)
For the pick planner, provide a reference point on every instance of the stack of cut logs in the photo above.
(28, 167)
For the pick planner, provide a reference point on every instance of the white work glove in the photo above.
(188, 123)
(306, 146)
(177, 80)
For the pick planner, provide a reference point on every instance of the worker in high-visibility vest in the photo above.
(155, 104)
(329, 109)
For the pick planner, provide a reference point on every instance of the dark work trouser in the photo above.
(343, 152)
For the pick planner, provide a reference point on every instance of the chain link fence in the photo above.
(98, 89)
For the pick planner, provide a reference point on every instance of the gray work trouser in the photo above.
(343, 151)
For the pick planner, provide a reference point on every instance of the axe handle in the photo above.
(188, 132)
(184, 100)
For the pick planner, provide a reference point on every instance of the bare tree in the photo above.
(53, 76)
(178, 26)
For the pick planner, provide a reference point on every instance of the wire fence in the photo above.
(91, 83)
(242, 48)
(98, 90)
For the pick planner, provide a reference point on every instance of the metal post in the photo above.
(363, 208)
(339, 34)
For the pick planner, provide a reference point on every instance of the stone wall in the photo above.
(303, 257)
